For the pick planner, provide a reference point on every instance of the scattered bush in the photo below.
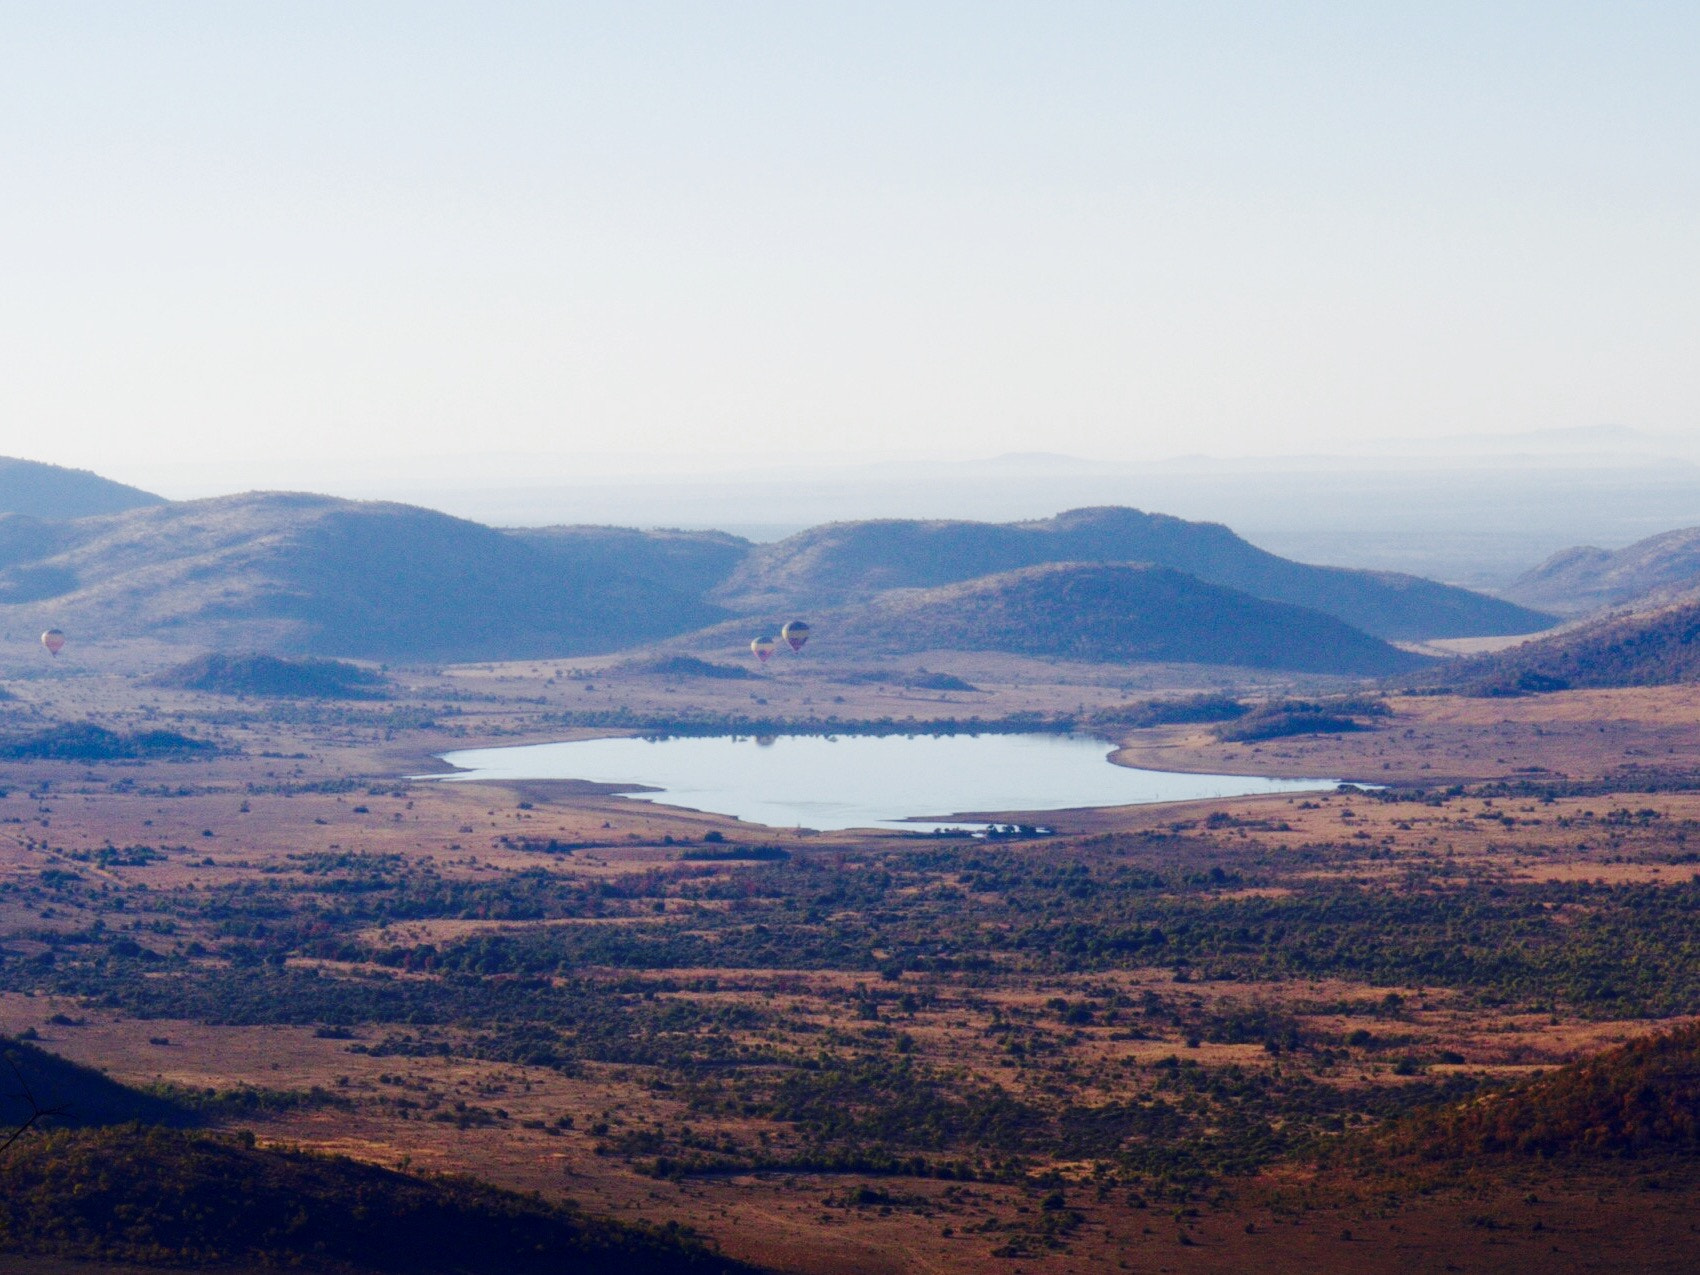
(84, 741)
(271, 675)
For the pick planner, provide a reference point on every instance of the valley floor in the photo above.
(1128, 1046)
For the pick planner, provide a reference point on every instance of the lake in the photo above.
(828, 782)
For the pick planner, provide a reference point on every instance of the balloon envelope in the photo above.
(53, 639)
(795, 634)
(763, 648)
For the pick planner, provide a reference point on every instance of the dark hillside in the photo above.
(336, 577)
(689, 666)
(52, 491)
(841, 562)
(1638, 1099)
(78, 1096)
(1652, 648)
(24, 542)
(85, 741)
(1116, 612)
(271, 676)
(160, 1197)
(1586, 579)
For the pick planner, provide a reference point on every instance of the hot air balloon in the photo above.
(762, 648)
(53, 639)
(795, 633)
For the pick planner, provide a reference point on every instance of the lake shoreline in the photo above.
(830, 783)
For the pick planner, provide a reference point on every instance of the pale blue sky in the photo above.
(248, 233)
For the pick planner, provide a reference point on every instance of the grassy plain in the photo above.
(1129, 1046)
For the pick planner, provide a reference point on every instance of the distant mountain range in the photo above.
(52, 491)
(308, 574)
(1584, 579)
(1475, 510)
(1115, 612)
(687, 562)
(843, 561)
(331, 577)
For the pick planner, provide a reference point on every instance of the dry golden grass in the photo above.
(261, 821)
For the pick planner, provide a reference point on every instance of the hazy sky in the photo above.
(246, 233)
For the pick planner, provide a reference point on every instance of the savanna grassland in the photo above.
(1212, 1036)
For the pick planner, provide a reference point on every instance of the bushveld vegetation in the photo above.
(1654, 648)
(271, 675)
(899, 936)
(1233, 718)
(690, 666)
(1003, 1045)
(1641, 1099)
(85, 741)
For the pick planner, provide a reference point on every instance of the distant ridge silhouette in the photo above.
(302, 574)
(1116, 612)
(52, 491)
(844, 561)
(1584, 578)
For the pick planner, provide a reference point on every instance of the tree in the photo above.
(36, 1113)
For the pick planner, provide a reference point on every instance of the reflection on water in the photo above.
(861, 781)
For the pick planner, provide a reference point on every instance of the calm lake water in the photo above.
(862, 781)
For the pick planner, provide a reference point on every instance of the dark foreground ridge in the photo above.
(57, 1093)
(165, 1197)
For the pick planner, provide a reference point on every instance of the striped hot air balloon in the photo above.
(795, 634)
(762, 648)
(53, 640)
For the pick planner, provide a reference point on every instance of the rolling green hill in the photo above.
(842, 562)
(1115, 612)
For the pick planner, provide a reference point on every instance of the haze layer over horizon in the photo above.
(243, 236)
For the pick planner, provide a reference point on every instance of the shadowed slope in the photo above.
(1648, 648)
(1640, 1098)
(162, 1197)
(829, 565)
(78, 1096)
(268, 675)
(1120, 612)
